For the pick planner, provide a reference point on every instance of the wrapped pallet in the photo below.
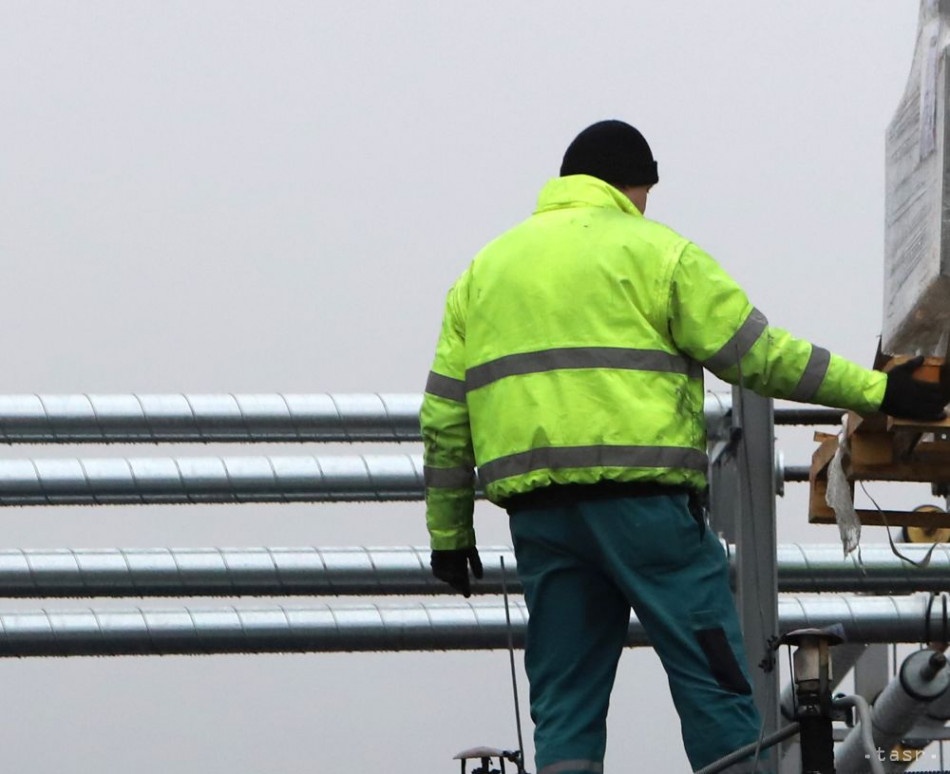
(917, 198)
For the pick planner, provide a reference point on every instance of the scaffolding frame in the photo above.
(745, 478)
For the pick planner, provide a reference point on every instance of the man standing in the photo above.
(569, 369)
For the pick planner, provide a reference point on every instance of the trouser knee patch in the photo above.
(722, 660)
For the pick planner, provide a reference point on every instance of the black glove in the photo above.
(909, 398)
(452, 567)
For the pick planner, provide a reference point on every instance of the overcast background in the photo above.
(255, 197)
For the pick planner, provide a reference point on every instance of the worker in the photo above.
(569, 370)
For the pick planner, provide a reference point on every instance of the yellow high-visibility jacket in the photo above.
(572, 352)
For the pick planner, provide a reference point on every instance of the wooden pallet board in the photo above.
(883, 448)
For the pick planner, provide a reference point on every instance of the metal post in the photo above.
(756, 573)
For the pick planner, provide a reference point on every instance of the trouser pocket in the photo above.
(720, 656)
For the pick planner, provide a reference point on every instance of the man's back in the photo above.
(565, 320)
(585, 268)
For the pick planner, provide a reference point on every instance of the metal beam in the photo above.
(265, 418)
(403, 570)
(422, 626)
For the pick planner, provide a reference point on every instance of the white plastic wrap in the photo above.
(917, 196)
(839, 499)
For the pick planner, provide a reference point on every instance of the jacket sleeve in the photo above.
(712, 320)
(449, 460)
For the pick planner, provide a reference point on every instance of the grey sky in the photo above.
(242, 197)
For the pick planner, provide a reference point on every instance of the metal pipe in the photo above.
(138, 481)
(231, 479)
(272, 629)
(208, 418)
(807, 415)
(118, 572)
(921, 679)
(821, 568)
(267, 418)
(421, 626)
(865, 619)
(309, 570)
(928, 726)
(795, 473)
(863, 730)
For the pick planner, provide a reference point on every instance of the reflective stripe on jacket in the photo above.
(572, 351)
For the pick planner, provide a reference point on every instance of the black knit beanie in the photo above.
(613, 151)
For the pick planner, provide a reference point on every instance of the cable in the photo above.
(943, 598)
(771, 740)
(930, 604)
(511, 657)
(921, 563)
(758, 748)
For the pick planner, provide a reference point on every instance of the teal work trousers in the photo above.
(583, 567)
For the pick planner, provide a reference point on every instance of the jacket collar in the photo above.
(582, 191)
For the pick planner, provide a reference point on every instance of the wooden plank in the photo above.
(928, 371)
(918, 470)
(893, 423)
(933, 450)
(874, 518)
(871, 450)
(819, 512)
(882, 448)
(905, 445)
(823, 455)
(866, 423)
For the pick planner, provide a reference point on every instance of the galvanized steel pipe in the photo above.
(208, 418)
(821, 568)
(189, 480)
(115, 572)
(264, 418)
(272, 629)
(310, 570)
(865, 619)
(186, 418)
(423, 626)
(136, 481)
